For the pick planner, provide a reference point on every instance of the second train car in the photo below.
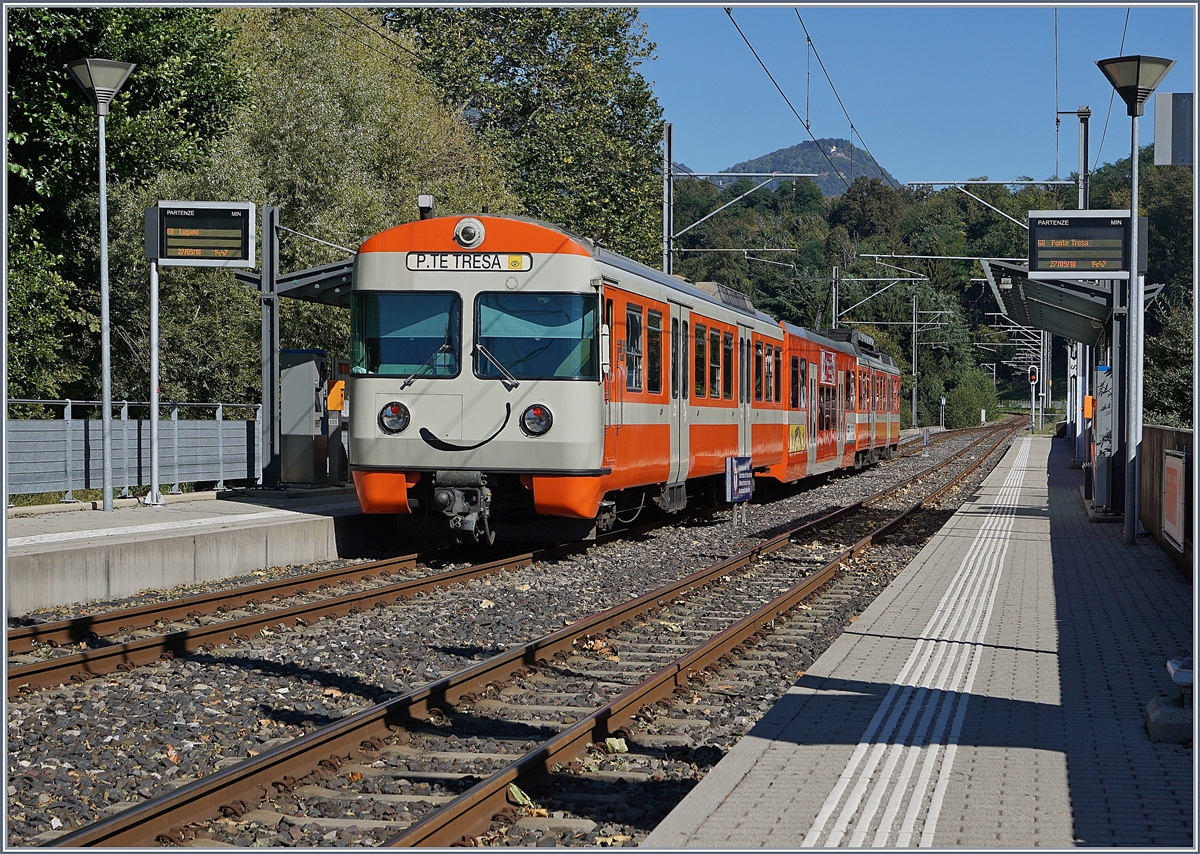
(508, 375)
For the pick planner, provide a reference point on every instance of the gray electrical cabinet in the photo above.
(303, 422)
(1103, 437)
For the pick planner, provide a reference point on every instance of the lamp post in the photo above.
(1135, 78)
(100, 80)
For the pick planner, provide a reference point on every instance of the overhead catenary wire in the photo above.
(1111, 94)
(853, 130)
(729, 12)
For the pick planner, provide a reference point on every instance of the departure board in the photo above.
(201, 234)
(1079, 244)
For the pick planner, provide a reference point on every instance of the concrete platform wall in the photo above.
(88, 571)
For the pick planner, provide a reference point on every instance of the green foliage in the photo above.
(42, 304)
(868, 208)
(557, 92)
(174, 105)
(169, 114)
(1165, 199)
(974, 391)
(1167, 384)
(338, 131)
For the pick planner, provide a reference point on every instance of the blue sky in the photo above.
(935, 93)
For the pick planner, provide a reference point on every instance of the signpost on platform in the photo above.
(739, 483)
(1033, 378)
(190, 234)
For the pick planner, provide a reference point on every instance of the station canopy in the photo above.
(1079, 310)
(328, 284)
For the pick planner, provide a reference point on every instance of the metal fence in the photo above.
(65, 454)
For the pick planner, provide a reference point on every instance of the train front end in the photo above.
(475, 373)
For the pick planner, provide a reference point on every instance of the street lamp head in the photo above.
(100, 80)
(1135, 77)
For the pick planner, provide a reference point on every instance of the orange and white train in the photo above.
(507, 375)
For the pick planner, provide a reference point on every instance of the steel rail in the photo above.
(98, 662)
(360, 733)
(125, 656)
(456, 822)
(77, 629)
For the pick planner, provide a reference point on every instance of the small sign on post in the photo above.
(739, 482)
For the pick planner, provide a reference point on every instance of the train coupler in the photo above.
(465, 500)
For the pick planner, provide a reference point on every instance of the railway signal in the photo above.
(1033, 377)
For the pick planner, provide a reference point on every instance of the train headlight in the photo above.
(394, 417)
(468, 233)
(537, 420)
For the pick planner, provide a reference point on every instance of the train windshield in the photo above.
(537, 336)
(405, 334)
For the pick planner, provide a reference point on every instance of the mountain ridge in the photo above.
(848, 162)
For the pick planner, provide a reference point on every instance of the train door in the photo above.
(680, 433)
(745, 401)
(814, 409)
(839, 427)
(612, 381)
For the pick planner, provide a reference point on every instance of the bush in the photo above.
(975, 391)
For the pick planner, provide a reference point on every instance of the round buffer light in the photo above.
(537, 420)
(394, 417)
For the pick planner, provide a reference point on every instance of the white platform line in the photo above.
(958, 624)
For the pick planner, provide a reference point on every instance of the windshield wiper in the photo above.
(510, 382)
(445, 348)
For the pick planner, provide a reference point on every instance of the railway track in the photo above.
(622, 687)
(47, 654)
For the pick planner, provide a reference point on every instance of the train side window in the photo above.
(674, 358)
(804, 383)
(770, 373)
(779, 374)
(683, 361)
(727, 347)
(633, 347)
(758, 370)
(795, 382)
(701, 358)
(850, 391)
(654, 360)
(714, 364)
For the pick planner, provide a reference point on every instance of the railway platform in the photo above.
(994, 695)
(60, 558)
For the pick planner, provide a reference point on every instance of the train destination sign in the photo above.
(1079, 244)
(201, 234)
(459, 262)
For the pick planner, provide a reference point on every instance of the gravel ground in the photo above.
(85, 751)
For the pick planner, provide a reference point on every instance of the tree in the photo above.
(975, 391)
(557, 91)
(1168, 381)
(168, 114)
(868, 208)
(341, 133)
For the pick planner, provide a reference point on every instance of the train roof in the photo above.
(720, 295)
(846, 340)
